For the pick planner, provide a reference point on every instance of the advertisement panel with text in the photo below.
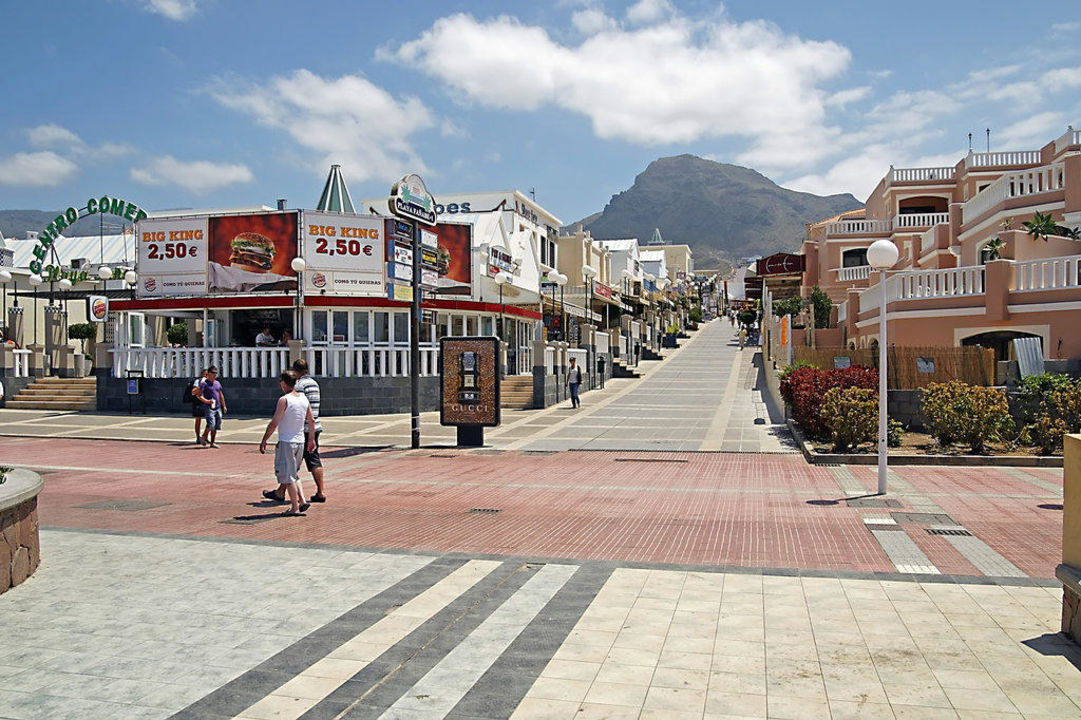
(344, 253)
(171, 257)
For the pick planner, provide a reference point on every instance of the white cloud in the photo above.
(198, 176)
(647, 11)
(674, 81)
(345, 120)
(36, 169)
(591, 21)
(1032, 131)
(178, 10)
(844, 97)
(1066, 28)
(53, 135)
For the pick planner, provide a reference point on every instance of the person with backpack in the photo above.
(197, 410)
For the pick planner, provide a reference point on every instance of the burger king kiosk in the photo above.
(333, 288)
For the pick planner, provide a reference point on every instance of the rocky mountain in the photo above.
(15, 223)
(720, 210)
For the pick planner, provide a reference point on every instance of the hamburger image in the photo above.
(442, 259)
(252, 251)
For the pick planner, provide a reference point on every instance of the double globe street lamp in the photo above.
(882, 255)
(589, 272)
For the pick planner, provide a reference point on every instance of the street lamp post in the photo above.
(882, 255)
(5, 278)
(34, 281)
(561, 280)
(589, 272)
(298, 266)
(501, 279)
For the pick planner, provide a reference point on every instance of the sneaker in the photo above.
(271, 495)
(318, 497)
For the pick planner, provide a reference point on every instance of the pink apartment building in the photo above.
(946, 289)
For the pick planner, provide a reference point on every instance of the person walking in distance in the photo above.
(197, 409)
(213, 399)
(291, 416)
(307, 385)
(742, 337)
(574, 380)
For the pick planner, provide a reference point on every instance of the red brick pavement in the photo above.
(710, 508)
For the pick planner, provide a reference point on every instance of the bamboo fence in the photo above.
(909, 368)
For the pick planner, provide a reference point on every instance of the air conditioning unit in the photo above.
(78, 263)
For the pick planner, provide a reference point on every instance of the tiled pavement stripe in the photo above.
(506, 682)
(847, 481)
(1031, 479)
(715, 434)
(902, 551)
(255, 684)
(314, 681)
(920, 501)
(983, 557)
(385, 679)
(444, 686)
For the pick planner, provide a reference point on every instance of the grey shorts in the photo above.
(287, 459)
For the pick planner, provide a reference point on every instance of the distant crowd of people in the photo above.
(296, 420)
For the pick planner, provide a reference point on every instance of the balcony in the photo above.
(919, 220)
(1000, 159)
(1047, 274)
(858, 227)
(851, 274)
(1070, 138)
(1048, 178)
(923, 175)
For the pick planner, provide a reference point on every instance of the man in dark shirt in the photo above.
(213, 399)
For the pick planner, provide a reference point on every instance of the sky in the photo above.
(218, 103)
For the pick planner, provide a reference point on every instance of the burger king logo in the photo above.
(319, 280)
(99, 309)
(151, 284)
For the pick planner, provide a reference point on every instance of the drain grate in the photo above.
(958, 532)
(125, 505)
(539, 452)
(488, 452)
(873, 502)
(923, 518)
(483, 511)
(651, 460)
(247, 519)
(440, 455)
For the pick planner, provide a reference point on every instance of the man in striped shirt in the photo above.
(307, 385)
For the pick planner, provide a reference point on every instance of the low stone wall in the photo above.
(12, 386)
(256, 396)
(20, 550)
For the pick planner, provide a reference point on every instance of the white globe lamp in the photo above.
(298, 264)
(105, 273)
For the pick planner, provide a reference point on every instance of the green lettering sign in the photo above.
(104, 205)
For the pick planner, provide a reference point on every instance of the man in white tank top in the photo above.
(289, 418)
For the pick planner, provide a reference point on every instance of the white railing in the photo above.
(1068, 139)
(997, 159)
(601, 338)
(919, 174)
(927, 241)
(858, 227)
(951, 282)
(370, 361)
(1012, 185)
(21, 368)
(232, 362)
(842, 312)
(636, 329)
(1047, 274)
(549, 360)
(915, 220)
(858, 272)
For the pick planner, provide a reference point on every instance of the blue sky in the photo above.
(209, 103)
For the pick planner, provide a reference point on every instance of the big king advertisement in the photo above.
(344, 253)
(171, 257)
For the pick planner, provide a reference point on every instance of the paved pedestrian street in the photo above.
(637, 577)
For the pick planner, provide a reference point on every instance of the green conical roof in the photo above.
(335, 197)
(656, 238)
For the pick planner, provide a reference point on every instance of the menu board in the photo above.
(344, 253)
(171, 257)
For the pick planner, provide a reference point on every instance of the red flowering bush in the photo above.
(804, 390)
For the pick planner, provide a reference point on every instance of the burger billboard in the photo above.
(344, 253)
(252, 253)
(454, 258)
(171, 256)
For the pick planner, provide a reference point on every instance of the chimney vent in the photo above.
(282, 202)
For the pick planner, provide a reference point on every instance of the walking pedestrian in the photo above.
(197, 409)
(291, 416)
(213, 399)
(307, 385)
(742, 337)
(574, 379)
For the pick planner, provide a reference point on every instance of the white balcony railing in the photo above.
(915, 220)
(549, 360)
(21, 367)
(998, 159)
(927, 241)
(1068, 139)
(858, 227)
(857, 272)
(1048, 273)
(919, 174)
(925, 284)
(1012, 185)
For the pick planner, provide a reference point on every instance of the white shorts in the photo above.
(287, 459)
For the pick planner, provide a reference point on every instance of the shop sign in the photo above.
(98, 308)
(171, 257)
(52, 273)
(410, 199)
(345, 252)
(400, 272)
(403, 255)
(499, 260)
(469, 381)
(104, 205)
(399, 292)
(429, 239)
(602, 290)
(429, 279)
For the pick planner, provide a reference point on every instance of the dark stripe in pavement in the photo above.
(505, 683)
(371, 691)
(241, 693)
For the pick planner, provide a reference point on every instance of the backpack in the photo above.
(188, 398)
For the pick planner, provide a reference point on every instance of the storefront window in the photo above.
(457, 325)
(487, 326)
(381, 327)
(136, 329)
(319, 326)
(360, 328)
(341, 326)
(471, 325)
(401, 328)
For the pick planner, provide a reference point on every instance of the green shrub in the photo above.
(851, 415)
(958, 412)
(823, 306)
(178, 334)
(1059, 414)
(747, 317)
(788, 306)
(82, 331)
(695, 314)
(895, 433)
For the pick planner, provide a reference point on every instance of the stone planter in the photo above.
(20, 551)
